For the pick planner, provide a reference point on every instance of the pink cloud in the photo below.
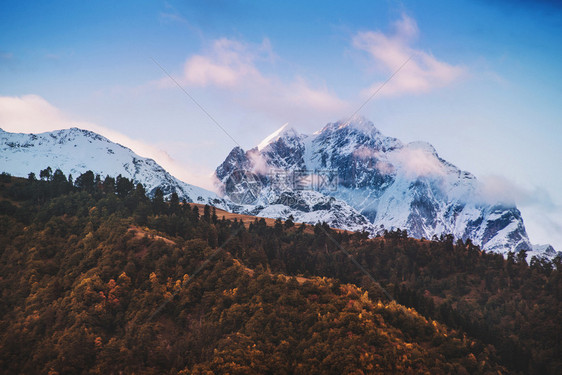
(423, 73)
(365, 153)
(234, 66)
(34, 114)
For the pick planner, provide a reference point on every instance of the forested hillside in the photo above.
(98, 278)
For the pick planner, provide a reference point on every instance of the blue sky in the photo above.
(484, 85)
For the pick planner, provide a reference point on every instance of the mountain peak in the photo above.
(285, 130)
(423, 146)
(74, 129)
(386, 183)
(356, 123)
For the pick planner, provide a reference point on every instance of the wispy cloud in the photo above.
(495, 188)
(541, 212)
(33, 114)
(171, 14)
(543, 227)
(422, 74)
(171, 17)
(228, 64)
(244, 74)
(415, 162)
(234, 70)
(365, 153)
(258, 162)
(417, 159)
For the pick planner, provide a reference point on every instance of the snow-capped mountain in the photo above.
(380, 182)
(347, 174)
(75, 151)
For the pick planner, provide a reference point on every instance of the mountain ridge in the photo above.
(77, 150)
(390, 183)
(373, 174)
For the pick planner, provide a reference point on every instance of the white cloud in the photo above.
(33, 114)
(417, 162)
(498, 189)
(228, 64)
(29, 113)
(365, 153)
(423, 73)
(385, 167)
(258, 162)
(233, 69)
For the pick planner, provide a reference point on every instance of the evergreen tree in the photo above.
(123, 186)
(158, 205)
(46, 174)
(85, 181)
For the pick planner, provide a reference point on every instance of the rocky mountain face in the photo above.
(75, 151)
(353, 177)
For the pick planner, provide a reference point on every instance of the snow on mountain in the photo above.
(274, 136)
(543, 251)
(75, 151)
(380, 183)
(347, 174)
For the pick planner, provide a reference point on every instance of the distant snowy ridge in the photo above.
(75, 151)
(382, 184)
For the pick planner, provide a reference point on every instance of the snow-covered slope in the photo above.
(543, 251)
(383, 184)
(74, 151)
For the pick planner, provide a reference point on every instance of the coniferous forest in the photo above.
(98, 278)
